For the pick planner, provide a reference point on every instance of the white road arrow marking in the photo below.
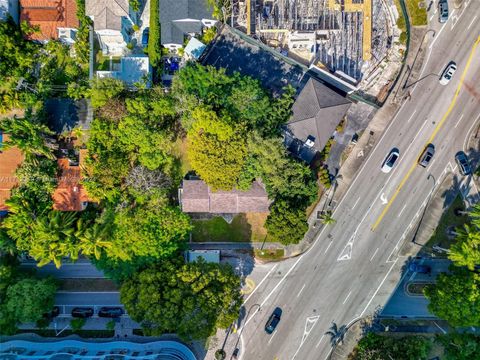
(309, 324)
(383, 199)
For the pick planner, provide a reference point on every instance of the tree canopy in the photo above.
(188, 299)
(378, 347)
(285, 224)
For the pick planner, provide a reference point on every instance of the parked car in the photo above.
(390, 160)
(110, 312)
(235, 353)
(443, 11)
(82, 312)
(273, 320)
(427, 155)
(145, 34)
(448, 73)
(53, 313)
(463, 164)
(418, 268)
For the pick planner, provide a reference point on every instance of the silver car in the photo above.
(390, 160)
(443, 11)
(448, 73)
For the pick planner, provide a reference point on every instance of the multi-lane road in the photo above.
(355, 264)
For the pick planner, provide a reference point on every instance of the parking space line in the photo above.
(375, 253)
(458, 122)
(319, 341)
(473, 20)
(303, 287)
(344, 301)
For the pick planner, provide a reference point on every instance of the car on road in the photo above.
(447, 74)
(110, 312)
(418, 268)
(273, 321)
(426, 156)
(145, 34)
(82, 312)
(390, 160)
(463, 164)
(443, 11)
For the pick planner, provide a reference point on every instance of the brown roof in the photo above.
(196, 197)
(49, 15)
(70, 194)
(9, 161)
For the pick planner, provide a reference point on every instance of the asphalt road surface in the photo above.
(353, 267)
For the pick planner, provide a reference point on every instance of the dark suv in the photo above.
(82, 312)
(273, 320)
(110, 312)
(463, 164)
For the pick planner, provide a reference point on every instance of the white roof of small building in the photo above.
(210, 256)
(195, 48)
(132, 69)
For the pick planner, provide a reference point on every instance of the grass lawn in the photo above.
(269, 254)
(244, 228)
(418, 15)
(448, 219)
(87, 285)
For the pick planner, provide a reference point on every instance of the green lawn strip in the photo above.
(449, 219)
(82, 333)
(87, 285)
(401, 24)
(418, 15)
(269, 254)
(217, 229)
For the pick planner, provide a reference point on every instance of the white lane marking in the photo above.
(319, 341)
(411, 116)
(467, 137)
(328, 247)
(260, 283)
(375, 253)
(438, 34)
(431, 164)
(458, 122)
(356, 202)
(271, 337)
(473, 20)
(309, 325)
(303, 287)
(378, 288)
(443, 330)
(431, 17)
(344, 301)
(401, 211)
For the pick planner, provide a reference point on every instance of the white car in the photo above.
(390, 161)
(448, 73)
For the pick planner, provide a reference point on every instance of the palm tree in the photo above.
(326, 218)
(29, 135)
(337, 334)
(474, 215)
(466, 250)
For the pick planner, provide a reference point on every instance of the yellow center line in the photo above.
(434, 134)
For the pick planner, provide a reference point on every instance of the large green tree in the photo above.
(216, 149)
(377, 347)
(191, 299)
(456, 297)
(285, 224)
(465, 251)
(29, 299)
(458, 346)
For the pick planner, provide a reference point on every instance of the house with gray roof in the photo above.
(195, 196)
(317, 112)
(112, 24)
(180, 18)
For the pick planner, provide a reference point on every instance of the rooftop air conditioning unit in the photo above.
(310, 141)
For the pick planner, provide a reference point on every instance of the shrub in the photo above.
(77, 324)
(154, 47)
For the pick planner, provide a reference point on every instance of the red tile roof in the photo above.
(70, 194)
(9, 161)
(49, 15)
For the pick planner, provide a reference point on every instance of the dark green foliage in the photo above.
(455, 297)
(460, 346)
(154, 37)
(121, 270)
(286, 224)
(82, 43)
(190, 300)
(105, 89)
(77, 324)
(377, 347)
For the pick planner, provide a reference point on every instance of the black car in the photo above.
(273, 320)
(463, 164)
(421, 269)
(110, 312)
(53, 313)
(82, 312)
(427, 155)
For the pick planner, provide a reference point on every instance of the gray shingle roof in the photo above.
(172, 10)
(107, 13)
(317, 111)
(198, 198)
